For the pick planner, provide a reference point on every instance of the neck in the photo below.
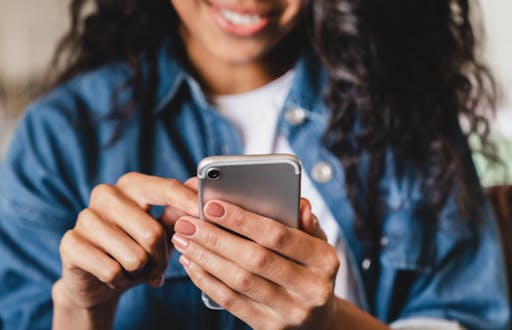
(224, 78)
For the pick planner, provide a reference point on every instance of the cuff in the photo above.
(425, 323)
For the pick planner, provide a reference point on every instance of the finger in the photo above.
(304, 204)
(249, 311)
(168, 219)
(309, 222)
(171, 213)
(289, 242)
(320, 233)
(255, 259)
(148, 190)
(112, 241)
(170, 216)
(80, 255)
(234, 276)
(112, 205)
(192, 183)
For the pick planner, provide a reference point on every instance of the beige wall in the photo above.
(28, 33)
(29, 30)
(499, 53)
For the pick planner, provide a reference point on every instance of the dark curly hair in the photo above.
(401, 74)
(129, 30)
(405, 71)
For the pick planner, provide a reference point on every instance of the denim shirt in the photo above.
(62, 148)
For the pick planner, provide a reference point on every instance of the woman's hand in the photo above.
(278, 278)
(116, 244)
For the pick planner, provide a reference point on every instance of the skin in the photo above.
(257, 60)
(284, 279)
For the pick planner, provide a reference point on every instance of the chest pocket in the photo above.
(408, 240)
(416, 241)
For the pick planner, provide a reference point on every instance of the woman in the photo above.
(152, 88)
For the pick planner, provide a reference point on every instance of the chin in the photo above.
(240, 56)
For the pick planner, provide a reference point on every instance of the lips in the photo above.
(241, 22)
(240, 19)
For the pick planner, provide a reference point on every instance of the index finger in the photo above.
(147, 190)
(289, 242)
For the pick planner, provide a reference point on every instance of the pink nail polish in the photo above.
(180, 241)
(214, 210)
(184, 261)
(185, 227)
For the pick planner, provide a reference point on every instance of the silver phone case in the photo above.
(268, 185)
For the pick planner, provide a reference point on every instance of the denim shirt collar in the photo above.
(305, 91)
(171, 73)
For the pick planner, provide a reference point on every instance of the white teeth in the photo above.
(239, 19)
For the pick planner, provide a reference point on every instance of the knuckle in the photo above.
(100, 192)
(211, 239)
(84, 214)
(244, 282)
(323, 295)
(304, 317)
(237, 216)
(67, 243)
(272, 324)
(332, 262)
(126, 178)
(137, 261)
(170, 188)
(299, 316)
(200, 256)
(261, 259)
(278, 238)
(199, 278)
(227, 300)
(173, 182)
(111, 273)
(239, 219)
(153, 236)
(85, 219)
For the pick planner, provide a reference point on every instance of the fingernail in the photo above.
(214, 210)
(185, 227)
(158, 281)
(184, 261)
(180, 241)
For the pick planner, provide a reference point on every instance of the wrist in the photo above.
(348, 316)
(87, 316)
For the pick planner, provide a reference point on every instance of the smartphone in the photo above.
(268, 185)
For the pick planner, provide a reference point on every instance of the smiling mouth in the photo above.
(239, 18)
(242, 21)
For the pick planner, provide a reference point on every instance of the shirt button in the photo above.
(366, 264)
(384, 241)
(295, 116)
(322, 172)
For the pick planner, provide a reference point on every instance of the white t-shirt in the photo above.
(255, 114)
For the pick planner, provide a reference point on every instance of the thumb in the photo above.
(309, 222)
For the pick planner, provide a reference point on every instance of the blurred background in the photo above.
(29, 31)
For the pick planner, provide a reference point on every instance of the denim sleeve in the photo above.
(37, 206)
(470, 277)
(445, 266)
(452, 270)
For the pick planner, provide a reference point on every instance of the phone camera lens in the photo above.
(213, 173)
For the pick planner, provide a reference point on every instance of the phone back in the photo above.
(268, 185)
